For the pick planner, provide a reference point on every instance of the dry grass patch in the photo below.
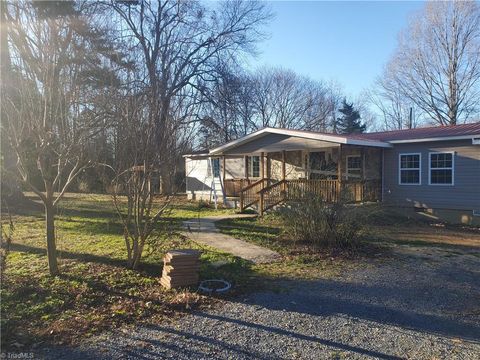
(429, 235)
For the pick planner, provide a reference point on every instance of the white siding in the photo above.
(198, 174)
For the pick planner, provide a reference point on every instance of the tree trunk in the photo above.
(137, 256)
(51, 246)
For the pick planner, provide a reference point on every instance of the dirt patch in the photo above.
(430, 235)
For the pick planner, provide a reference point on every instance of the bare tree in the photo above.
(437, 63)
(229, 111)
(327, 99)
(279, 97)
(48, 114)
(285, 99)
(395, 109)
(176, 46)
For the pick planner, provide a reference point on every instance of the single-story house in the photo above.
(435, 170)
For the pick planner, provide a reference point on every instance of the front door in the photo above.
(216, 167)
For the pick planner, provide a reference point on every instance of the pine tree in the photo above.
(349, 122)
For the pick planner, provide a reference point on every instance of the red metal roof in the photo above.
(382, 138)
(422, 133)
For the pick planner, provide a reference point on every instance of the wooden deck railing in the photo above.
(358, 191)
(329, 190)
(267, 194)
(233, 187)
(299, 188)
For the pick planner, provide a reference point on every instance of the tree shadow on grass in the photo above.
(83, 213)
(149, 268)
(95, 227)
(247, 226)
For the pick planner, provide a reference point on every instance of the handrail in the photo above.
(249, 195)
(272, 195)
(272, 186)
(252, 184)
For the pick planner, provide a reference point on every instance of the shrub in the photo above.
(203, 204)
(323, 224)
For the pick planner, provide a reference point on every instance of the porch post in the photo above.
(262, 168)
(284, 157)
(362, 151)
(339, 173)
(269, 174)
(363, 185)
(246, 167)
(224, 169)
(261, 203)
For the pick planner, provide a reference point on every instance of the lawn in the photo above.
(95, 290)
(386, 231)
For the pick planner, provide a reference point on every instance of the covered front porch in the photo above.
(277, 167)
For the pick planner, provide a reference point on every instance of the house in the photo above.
(435, 170)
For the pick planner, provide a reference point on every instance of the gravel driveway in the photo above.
(422, 304)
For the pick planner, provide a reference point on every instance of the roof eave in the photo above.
(312, 136)
(381, 144)
(195, 155)
(219, 150)
(443, 138)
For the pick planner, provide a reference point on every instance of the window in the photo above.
(354, 166)
(441, 169)
(409, 170)
(216, 167)
(254, 166)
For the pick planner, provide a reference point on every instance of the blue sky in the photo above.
(349, 42)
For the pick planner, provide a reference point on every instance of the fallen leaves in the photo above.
(86, 299)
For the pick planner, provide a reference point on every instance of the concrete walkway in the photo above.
(204, 231)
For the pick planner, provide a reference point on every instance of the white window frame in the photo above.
(250, 166)
(419, 169)
(360, 168)
(430, 167)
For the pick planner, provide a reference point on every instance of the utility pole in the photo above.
(410, 118)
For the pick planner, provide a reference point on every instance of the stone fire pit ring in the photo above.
(214, 286)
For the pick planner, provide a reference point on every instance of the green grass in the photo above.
(95, 290)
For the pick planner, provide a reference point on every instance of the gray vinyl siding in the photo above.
(463, 195)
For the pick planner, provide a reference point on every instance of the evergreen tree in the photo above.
(349, 122)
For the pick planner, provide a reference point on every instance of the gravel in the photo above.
(422, 304)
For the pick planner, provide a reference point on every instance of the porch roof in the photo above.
(308, 139)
